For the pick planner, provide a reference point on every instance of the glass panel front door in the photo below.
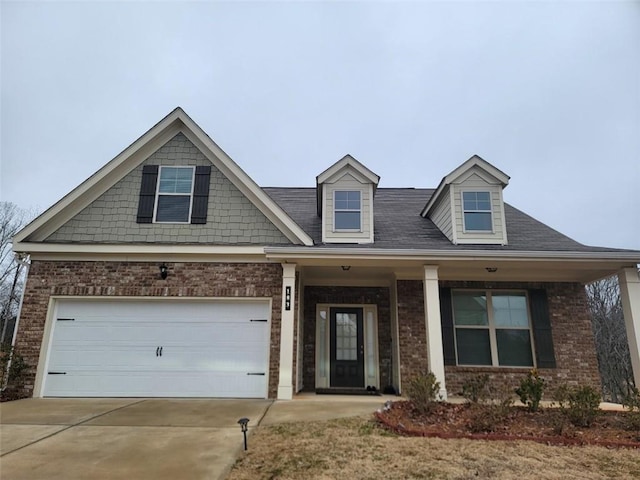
(347, 348)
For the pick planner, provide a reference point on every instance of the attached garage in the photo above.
(158, 348)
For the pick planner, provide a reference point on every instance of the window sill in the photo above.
(487, 369)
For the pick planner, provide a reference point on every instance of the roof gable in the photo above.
(174, 123)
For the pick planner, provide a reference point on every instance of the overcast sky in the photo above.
(549, 92)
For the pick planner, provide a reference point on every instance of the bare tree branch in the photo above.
(614, 361)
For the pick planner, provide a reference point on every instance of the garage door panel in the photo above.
(168, 384)
(205, 349)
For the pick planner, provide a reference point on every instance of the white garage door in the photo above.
(159, 349)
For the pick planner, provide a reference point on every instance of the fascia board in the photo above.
(82, 191)
(632, 257)
(474, 161)
(64, 248)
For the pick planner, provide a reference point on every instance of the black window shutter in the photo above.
(542, 337)
(147, 194)
(446, 323)
(201, 195)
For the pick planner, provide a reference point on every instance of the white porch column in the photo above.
(435, 353)
(285, 381)
(630, 296)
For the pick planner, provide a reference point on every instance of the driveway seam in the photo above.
(69, 426)
(265, 413)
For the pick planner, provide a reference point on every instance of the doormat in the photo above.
(347, 391)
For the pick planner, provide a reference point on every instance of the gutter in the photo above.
(424, 254)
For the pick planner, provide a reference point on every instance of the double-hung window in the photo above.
(492, 328)
(476, 208)
(174, 194)
(347, 212)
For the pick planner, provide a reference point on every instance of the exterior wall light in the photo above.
(346, 268)
(491, 269)
(164, 271)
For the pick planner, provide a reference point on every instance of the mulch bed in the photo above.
(548, 426)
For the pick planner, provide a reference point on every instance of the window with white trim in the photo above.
(347, 210)
(174, 195)
(492, 328)
(476, 208)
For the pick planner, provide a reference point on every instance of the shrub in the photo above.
(531, 390)
(476, 389)
(487, 418)
(582, 405)
(16, 369)
(423, 391)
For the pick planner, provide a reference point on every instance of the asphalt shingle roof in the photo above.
(398, 224)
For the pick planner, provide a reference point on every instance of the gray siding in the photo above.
(232, 219)
(441, 214)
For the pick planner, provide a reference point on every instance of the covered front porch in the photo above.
(365, 325)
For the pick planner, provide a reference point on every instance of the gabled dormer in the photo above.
(345, 201)
(468, 207)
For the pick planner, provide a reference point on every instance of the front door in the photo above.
(347, 348)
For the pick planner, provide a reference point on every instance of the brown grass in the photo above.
(357, 448)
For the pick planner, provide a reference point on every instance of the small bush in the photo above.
(17, 367)
(476, 389)
(487, 418)
(581, 404)
(531, 390)
(423, 392)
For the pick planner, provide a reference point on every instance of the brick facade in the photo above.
(142, 279)
(412, 329)
(346, 296)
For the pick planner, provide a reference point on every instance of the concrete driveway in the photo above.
(123, 438)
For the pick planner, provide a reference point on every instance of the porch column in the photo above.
(435, 353)
(630, 296)
(285, 382)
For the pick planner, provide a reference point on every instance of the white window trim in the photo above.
(493, 342)
(347, 230)
(155, 204)
(464, 223)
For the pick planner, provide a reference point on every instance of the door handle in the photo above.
(157, 351)
(160, 351)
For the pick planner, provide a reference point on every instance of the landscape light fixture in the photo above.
(164, 271)
(243, 427)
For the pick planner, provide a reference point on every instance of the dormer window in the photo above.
(347, 211)
(175, 190)
(477, 211)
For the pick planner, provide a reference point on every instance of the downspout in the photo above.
(24, 260)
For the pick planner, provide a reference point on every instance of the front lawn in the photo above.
(359, 448)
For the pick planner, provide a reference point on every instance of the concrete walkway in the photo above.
(145, 438)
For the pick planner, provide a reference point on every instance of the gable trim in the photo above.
(175, 122)
(345, 161)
